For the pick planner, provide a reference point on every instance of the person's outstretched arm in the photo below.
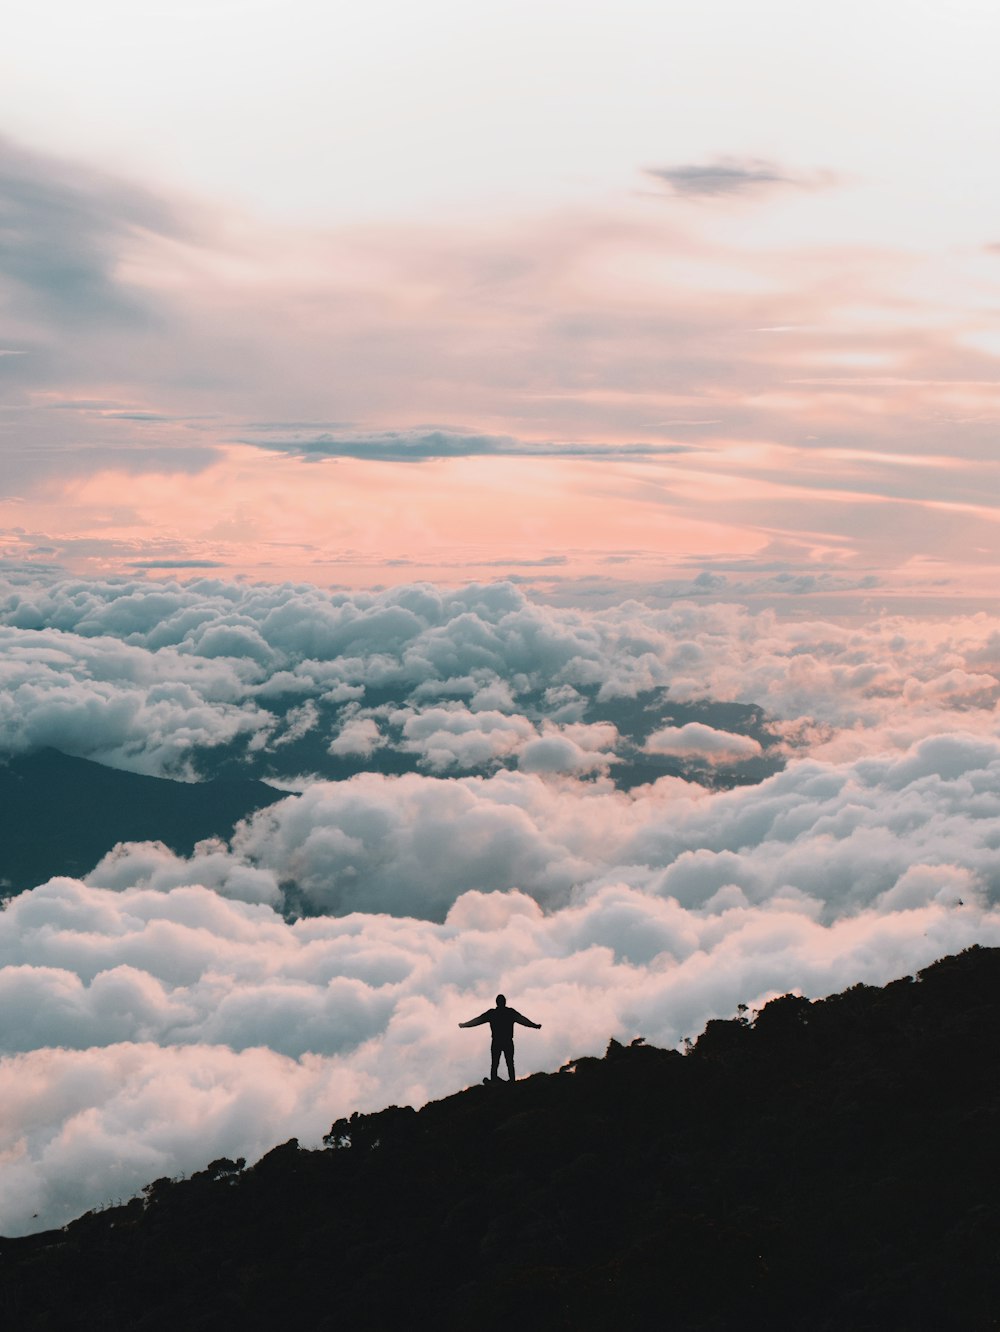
(525, 1022)
(477, 1022)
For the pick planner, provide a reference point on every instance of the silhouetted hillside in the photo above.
(60, 815)
(832, 1165)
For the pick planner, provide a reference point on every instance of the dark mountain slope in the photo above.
(60, 815)
(831, 1166)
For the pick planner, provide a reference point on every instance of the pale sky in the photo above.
(758, 245)
(336, 112)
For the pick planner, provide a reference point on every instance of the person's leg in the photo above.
(508, 1054)
(494, 1060)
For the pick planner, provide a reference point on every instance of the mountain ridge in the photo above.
(60, 814)
(828, 1164)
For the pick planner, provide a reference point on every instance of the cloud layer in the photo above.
(168, 1009)
(152, 675)
(837, 837)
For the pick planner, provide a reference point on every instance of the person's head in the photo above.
(501, 1001)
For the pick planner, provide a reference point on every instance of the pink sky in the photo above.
(657, 328)
(582, 394)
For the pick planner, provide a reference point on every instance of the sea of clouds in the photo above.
(166, 1010)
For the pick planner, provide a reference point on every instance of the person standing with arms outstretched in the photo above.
(501, 1020)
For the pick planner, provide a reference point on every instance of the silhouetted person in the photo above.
(501, 1020)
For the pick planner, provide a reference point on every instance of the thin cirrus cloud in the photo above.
(65, 227)
(733, 176)
(176, 564)
(420, 446)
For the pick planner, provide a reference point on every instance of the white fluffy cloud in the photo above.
(456, 737)
(412, 845)
(138, 673)
(359, 737)
(703, 743)
(118, 703)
